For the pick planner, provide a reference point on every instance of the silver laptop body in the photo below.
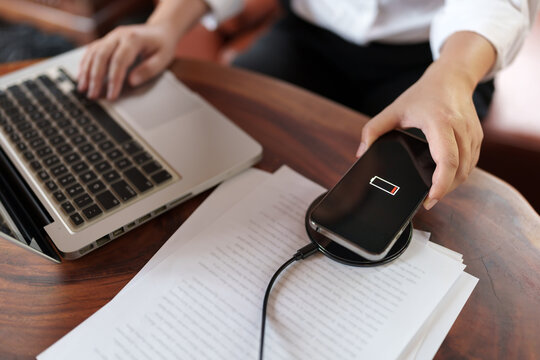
(178, 146)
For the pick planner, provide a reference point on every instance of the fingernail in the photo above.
(430, 203)
(361, 150)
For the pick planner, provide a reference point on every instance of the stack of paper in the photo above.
(200, 297)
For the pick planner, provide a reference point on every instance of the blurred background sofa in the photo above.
(511, 148)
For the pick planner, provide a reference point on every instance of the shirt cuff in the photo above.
(500, 22)
(221, 10)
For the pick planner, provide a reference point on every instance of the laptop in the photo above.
(76, 173)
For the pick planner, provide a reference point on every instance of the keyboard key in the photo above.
(59, 170)
(83, 201)
(72, 158)
(161, 176)
(57, 140)
(51, 185)
(98, 137)
(90, 129)
(123, 163)
(106, 145)
(88, 176)
(44, 151)
(107, 200)
(51, 161)
(50, 132)
(59, 196)
(43, 175)
(94, 157)
(87, 148)
(64, 148)
(36, 165)
(138, 179)
(75, 112)
(74, 190)
(42, 124)
(78, 140)
(123, 190)
(37, 143)
(8, 129)
(63, 124)
(80, 167)
(28, 155)
(67, 207)
(30, 134)
(83, 120)
(103, 166)
(66, 180)
(111, 176)
(96, 187)
(21, 146)
(24, 126)
(92, 211)
(142, 158)
(76, 219)
(37, 116)
(71, 131)
(114, 154)
(14, 138)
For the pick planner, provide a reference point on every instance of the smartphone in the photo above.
(371, 205)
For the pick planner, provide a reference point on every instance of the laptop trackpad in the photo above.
(157, 102)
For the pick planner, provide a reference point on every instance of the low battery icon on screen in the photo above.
(384, 185)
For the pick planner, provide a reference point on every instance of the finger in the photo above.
(477, 146)
(386, 120)
(84, 70)
(100, 62)
(149, 68)
(476, 156)
(122, 58)
(444, 151)
(464, 144)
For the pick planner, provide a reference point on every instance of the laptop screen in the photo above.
(11, 232)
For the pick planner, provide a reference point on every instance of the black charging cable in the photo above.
(301, 254)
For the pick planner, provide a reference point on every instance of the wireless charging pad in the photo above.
(343, 255)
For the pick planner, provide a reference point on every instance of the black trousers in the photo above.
(364, 78)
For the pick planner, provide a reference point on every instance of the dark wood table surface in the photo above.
(485, 219)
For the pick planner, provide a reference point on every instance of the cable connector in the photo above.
(306, 251)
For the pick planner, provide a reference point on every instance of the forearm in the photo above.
(178, 15)
(466, 56)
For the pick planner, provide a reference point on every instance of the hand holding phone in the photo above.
(371, 205)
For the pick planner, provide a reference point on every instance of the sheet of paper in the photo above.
(205, 300)
(217, 203)
(429, 339)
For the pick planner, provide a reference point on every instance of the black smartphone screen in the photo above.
(379, 194)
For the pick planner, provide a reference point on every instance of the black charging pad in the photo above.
(345, 256)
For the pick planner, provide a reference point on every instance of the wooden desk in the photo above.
(485, 219)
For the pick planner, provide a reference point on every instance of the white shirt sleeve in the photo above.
(504, 23)
(221, 10)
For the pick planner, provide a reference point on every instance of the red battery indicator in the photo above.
(384, 185)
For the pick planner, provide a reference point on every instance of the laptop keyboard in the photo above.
(86, 162)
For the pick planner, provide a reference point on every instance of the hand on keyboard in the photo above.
(107, 61)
